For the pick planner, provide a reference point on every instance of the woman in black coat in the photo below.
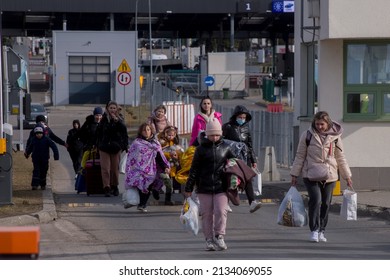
(237, 129)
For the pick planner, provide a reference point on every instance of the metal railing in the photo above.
(267, 128)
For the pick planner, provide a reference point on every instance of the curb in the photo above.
(46, 215)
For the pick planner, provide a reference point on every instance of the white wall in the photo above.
(365, 143)
(116, 44)
(228, 70)
(355, 19)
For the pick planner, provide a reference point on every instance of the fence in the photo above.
(268, 128)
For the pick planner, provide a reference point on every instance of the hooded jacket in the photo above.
(240, 133)
(317, 152)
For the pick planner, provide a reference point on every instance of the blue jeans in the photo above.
(320, 197)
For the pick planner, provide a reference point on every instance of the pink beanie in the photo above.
(213, 127)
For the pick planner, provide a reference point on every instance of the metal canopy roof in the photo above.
(169, 18)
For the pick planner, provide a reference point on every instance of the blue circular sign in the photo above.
(209, 81)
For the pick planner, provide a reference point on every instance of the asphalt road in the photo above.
(96, 227)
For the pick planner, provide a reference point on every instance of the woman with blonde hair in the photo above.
(318, 146)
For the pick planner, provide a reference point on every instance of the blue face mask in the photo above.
(240, 121)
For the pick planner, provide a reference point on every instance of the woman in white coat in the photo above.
(320, 146)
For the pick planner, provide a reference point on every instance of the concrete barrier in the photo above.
(267, 164)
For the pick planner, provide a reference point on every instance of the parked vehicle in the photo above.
(36, 110)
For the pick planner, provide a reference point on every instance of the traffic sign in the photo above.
(124, 78)
(209, 81)
(124, 66)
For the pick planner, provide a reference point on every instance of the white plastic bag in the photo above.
(349, 206)
(189, 216)
(130, 198)
(257, 183)
(292, 212)
(122, 163)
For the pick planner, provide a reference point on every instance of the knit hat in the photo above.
(98, 111)
(213, 127)
(38, 129)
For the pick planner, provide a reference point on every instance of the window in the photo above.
(89, 69)
(367, 81)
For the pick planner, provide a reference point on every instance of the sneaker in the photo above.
(156, 194)
(314, 236)
(107, 191)
(229, 209)
(210, 245)
(220, 243)
(142, 209)
(254, 206)
(321, 237)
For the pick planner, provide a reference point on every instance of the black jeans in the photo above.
(320, 197)
(249, 192)
(143, 198)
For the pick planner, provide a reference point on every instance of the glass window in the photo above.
(362, 103)
(368, 64)
(386, 103)
(89, 69)
(367, 80)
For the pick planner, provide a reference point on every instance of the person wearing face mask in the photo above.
(237, 129)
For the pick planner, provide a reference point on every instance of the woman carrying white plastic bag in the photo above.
(320, 148)
(292, 212)
(349, 206)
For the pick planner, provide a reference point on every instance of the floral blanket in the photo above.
(142, 170)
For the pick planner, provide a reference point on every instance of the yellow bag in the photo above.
(185, 164)
(89, 154)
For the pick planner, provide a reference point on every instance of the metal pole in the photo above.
(136, 53)
(151, 59)
(1, 80)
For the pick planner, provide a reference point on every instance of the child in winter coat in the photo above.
(169, 140)
(145, 163)
(39, 148)
(75, 146)
(211, 184)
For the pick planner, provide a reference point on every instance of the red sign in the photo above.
(124, 78)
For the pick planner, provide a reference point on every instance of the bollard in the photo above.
(337, 189)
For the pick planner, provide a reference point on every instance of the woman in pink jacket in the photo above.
(206, 114)
(320, 144)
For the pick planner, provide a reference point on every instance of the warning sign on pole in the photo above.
(124, 66)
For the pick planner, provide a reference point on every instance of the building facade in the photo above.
(348, 42)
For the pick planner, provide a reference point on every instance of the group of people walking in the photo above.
(153, 160)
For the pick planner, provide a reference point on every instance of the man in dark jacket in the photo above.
(87, 132)
(237, 129)
(39, 147)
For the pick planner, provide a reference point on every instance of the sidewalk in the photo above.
(370, 202)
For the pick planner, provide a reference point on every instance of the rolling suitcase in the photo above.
(93, 177)
(80, 182)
